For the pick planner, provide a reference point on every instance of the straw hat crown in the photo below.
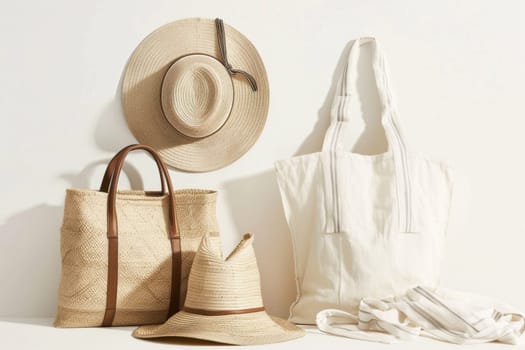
(214, 283)
(224, 303)
(197, 91)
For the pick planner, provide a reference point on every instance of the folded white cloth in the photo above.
(442, 314)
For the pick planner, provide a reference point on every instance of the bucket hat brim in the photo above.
(237, 329)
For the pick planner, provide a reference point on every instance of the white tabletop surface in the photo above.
(39, 333)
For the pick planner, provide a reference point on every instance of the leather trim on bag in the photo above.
(176, 275)
(110, 184)
(111, 298)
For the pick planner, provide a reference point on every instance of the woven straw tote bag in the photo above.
(126, 255)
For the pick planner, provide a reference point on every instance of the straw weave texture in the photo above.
(141, 95)
(144, 254)
(215, 283)
(224, 284)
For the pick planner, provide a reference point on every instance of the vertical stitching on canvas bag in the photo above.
(401, 143)
(333, 157)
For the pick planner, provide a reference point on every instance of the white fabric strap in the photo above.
(346, 91)
(344, 324)
(444, 315)
(336, 140)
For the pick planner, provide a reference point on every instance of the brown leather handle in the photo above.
(112, 193)
(110, 170)
(110, 182)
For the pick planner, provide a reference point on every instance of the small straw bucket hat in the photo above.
(224, 302)
(196, 90)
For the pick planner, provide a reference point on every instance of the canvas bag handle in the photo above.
(110, 185)
(336, 136)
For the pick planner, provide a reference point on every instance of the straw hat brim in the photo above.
(239, 329)
(141, 91)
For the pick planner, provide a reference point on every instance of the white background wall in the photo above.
(457, 68)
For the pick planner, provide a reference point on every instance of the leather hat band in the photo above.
(221, 312)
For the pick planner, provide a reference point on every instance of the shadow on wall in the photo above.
(112, 132)
(372, 139)
(30, 252)
(30, 240)
(254, 205)
(82, 179)
(30, 261)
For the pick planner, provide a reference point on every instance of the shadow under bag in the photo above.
(362, 226)
(126, 255)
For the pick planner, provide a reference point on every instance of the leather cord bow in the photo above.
(221, 41)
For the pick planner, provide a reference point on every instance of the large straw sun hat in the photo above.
(196, 90)
(223, 302)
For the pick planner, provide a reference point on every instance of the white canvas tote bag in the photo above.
(362, 226)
